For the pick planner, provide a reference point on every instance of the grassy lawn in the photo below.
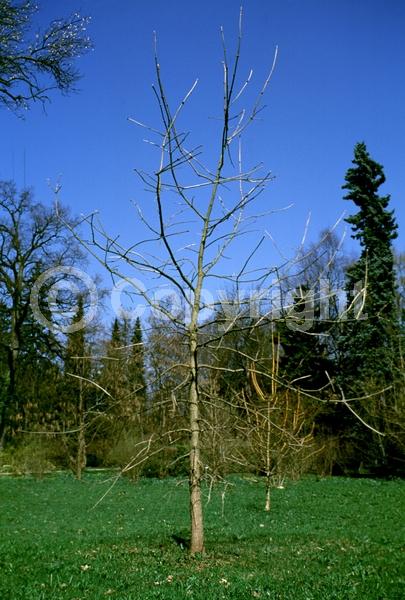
(324, 539)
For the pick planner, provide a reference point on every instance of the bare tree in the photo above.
(279, 426)
(200, 211)
(203, 209)
(76, 390)
(32, 239)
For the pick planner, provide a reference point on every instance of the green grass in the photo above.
(324, 539)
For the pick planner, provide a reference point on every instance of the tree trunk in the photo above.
(268, 493)
(81, 453)
(81, 439)
(196, 513)
(10, 401)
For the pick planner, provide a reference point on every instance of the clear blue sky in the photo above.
(340, 78)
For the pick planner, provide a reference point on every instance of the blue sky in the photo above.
(339, 79)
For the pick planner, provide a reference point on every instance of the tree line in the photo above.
(277, 399)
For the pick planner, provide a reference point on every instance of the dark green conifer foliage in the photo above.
(112, 378)
(135, 376)
(137, 363)
(367, 343)
(305, 357)
(116, 334)
(76, 346)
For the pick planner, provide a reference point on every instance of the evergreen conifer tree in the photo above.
(137, 362)
(368, 345)
(368, 340)
(136, 371)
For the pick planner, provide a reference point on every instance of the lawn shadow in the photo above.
(181, 541)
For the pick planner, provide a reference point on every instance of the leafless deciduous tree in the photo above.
(279, 426)
(32, 239)
(200, 211)
(203, 209)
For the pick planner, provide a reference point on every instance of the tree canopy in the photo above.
(34, 64)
